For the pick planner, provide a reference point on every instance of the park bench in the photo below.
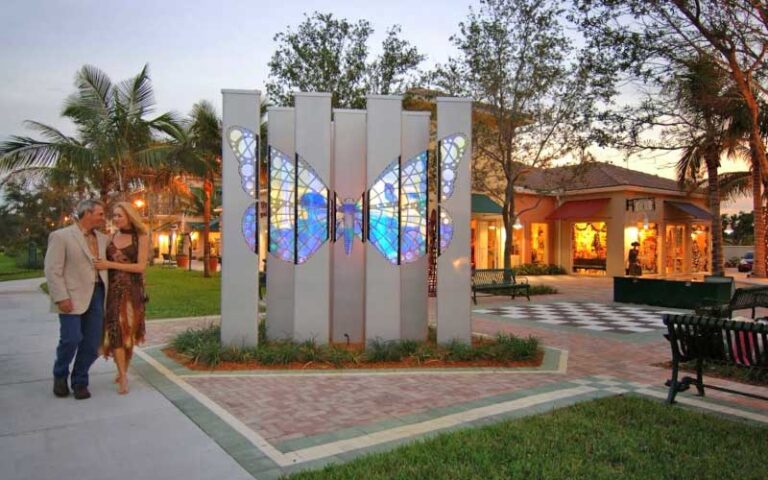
(742, 299)
(495, 280)
(168, 261)
(742, 344)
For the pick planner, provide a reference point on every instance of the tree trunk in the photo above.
(758, 265)
(149, 229)
(713, 194)
(508, 214)
(208, 192)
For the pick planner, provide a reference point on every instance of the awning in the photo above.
(690, 209)
(199, 226)
(483, 204)
(583, 209)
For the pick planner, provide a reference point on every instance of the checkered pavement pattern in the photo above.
(622, 319)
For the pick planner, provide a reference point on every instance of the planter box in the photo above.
(669, 293)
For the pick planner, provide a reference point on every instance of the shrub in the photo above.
(539, 269)
(204, 346)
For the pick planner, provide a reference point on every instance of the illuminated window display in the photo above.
(282, 215)
(349, 221)
(539, 240)
(648, 238)
(383, 212)
(589, 246)
(674, 246)
(298, 207)
(450, 151)
(699, 248)
(244, 145)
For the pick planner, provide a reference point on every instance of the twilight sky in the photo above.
(194, 49)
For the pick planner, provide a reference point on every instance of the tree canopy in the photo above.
(328, 54)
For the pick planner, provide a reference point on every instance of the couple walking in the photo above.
(96, 285)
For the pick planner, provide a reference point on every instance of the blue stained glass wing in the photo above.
(451, 153)
(245, 144)
(312, 220)
(349, 221)
(383, 212)
(282, 178)
(446, 230)
(249, 225)
(414, 209)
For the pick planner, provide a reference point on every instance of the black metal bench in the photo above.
(714, 340)
(499, 279)
(742, 299)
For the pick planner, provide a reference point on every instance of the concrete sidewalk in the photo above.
(110, 436)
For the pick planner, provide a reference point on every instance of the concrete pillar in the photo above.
(413, 275)
(454, 115)
(312, 301)
(349, 180)
(280, 273)
(240, 264)
(382, 280)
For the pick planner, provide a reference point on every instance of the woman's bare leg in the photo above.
(122, 369)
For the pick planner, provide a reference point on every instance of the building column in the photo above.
(240, 264)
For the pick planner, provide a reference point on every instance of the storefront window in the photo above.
(539, 240)
(674, 248)
(699, 248)
(648, 247)
(589, 247)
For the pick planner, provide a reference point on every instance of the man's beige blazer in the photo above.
(69, 268)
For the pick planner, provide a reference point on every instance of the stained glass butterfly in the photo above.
(244, 145)
(396, 206)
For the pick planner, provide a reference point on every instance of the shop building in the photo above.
(589, 221)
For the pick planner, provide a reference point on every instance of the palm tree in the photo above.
(194, 148)
(707, 103)
(113, 135)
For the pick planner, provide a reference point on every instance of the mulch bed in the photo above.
(406, 363)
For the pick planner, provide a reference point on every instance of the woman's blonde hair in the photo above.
(133, 217)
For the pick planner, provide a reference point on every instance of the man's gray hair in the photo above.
(87, 206)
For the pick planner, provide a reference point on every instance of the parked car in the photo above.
(745, 264)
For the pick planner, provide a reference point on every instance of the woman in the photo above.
(124, 315)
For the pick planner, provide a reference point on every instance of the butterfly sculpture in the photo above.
(300, 207)
(244, 145)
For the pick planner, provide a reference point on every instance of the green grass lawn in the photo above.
(9, 270)
(174, 293)
(617, 437)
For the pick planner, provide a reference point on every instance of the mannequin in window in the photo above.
(633, 260)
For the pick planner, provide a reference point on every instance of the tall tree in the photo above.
(326, 54)
(113, 134)
(708, 110)
(536, 94)
(643, 35)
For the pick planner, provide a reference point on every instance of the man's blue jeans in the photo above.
(79, 338)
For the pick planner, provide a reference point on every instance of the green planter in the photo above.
(669, 293)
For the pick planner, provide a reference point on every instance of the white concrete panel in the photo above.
(382, 278)
(348, 289)
(413, 276)
(240, 266)
(454, 115)
(312, 279)
(280, 284)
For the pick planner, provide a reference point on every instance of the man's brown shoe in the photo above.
(60, 387)
(81, 392)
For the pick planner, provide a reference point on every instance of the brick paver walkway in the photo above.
(292, 412)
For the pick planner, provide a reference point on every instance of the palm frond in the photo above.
(94, 97)
(137, 94)
(734, 185)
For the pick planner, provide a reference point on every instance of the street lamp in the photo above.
(728, 229)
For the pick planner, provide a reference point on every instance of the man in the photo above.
(77, 292)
